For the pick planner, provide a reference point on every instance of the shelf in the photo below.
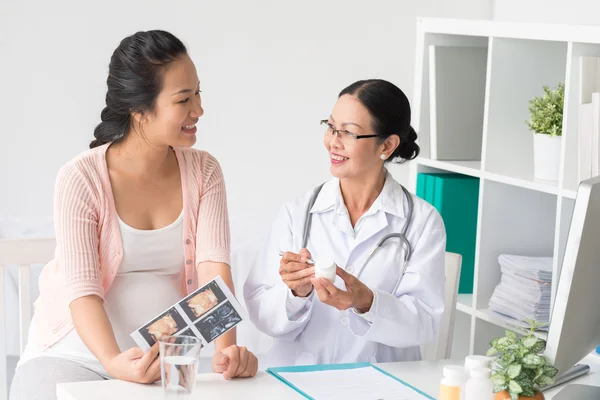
(525, 181)
(488, 316)
(471, 168)
(517, 213)
(509, 142)
(464, 303)
(570, 194)
(513, 220)
(516, 30)
(456, 128)
(573, 98)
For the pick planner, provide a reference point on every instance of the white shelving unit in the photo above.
(517, 214)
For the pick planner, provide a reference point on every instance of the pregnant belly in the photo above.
(136, 298)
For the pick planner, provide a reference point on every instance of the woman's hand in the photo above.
(134, 366)
(296, 273)
(235, 362)
(357, 294)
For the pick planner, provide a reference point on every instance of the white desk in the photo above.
(424, 375)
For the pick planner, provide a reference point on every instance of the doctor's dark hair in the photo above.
(390, 110)
(135, 78)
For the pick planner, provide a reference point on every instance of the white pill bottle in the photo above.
(325, 268)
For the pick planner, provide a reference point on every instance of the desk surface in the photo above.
(424, 375)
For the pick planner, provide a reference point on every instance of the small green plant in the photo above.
(546, 112)
(518, 367)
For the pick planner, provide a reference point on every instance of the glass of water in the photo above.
(178, 360)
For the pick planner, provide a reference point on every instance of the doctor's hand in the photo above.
(296, 273)
(235, 362)
(357, 294)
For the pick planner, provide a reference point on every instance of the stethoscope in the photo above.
(401, 235)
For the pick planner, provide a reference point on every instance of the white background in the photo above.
(586, 12)
(270, 70)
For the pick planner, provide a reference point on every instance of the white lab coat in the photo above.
(307, 331)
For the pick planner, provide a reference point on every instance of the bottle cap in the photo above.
(324, 263)
(480, 373)
(455, 372)
(477, 362)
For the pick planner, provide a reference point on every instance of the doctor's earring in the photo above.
(383, 157)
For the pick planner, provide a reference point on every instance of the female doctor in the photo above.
(382, 305)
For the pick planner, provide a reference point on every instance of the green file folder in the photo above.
(456, 198)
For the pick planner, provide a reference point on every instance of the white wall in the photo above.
(269, 70)
(584, 12)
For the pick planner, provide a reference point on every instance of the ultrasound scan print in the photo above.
(219, 322)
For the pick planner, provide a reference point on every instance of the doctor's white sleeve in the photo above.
(411, 316)
(271, 305)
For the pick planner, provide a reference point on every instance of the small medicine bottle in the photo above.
(476, 362)
(452, 386)
(479, 386)
(325, 268)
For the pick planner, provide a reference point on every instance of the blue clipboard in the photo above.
(328, 367)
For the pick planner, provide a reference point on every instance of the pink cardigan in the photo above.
(89, 248)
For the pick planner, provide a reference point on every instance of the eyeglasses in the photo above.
(347, 138)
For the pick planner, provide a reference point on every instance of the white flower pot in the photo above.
(546, 156)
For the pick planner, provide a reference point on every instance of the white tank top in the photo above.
(147, 283)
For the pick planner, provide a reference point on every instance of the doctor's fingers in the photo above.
(297, 275)
(338, 298)
(305, 254)
(302, 257)
(323, 294)
(299, 285)
(293, 267)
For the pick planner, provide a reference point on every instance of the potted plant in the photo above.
(545, 121)
(519, 371)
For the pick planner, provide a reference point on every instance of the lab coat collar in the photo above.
(390, 200)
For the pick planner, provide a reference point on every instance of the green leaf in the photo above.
(513, 371)
(514, 387)
(492, 351)
(550, 371)
(533, 361)
(499, 388)
(498, 379)
(528, 392)
(546, 111)
(540, 345)
(525, 382)
(510, 358)
(503, 343)
(529, 341)
(544, 380)
(494, 342)
(511, 335)
(504, 363)
(514, 396)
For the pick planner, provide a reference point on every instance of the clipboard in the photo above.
(281, 373)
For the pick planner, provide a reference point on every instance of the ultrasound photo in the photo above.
(168, 323)
(202, 301)
(217, 323)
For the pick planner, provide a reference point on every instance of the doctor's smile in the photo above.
(337, 159)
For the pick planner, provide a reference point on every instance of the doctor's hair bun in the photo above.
(135, 78)
(390, 111)
(408, 149)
